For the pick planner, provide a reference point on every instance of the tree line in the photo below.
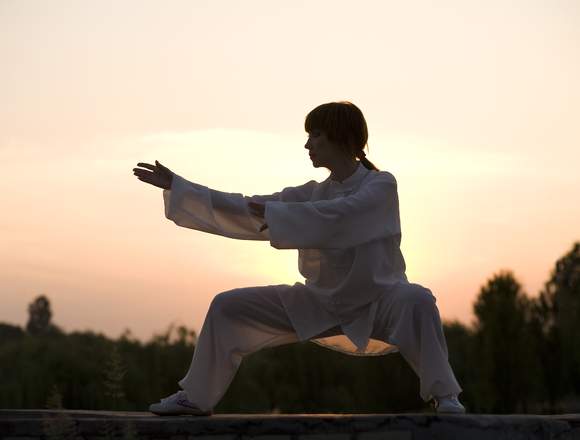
(521, 355)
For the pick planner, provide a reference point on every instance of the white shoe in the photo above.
(449, 404)
(175, 405)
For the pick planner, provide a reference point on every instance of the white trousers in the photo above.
(244, 320)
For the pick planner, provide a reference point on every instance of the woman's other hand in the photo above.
(159, 175)
(257, 209)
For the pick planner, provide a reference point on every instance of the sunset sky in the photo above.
(474, 106)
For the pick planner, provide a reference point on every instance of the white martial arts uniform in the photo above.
(356, 297)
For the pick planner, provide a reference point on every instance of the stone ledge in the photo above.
(103, 425)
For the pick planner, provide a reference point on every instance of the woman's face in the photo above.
(322, 151)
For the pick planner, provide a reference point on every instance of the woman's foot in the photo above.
(449, 404)
(175, 405)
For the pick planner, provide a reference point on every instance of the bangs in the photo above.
(342, 122)
(316, 120)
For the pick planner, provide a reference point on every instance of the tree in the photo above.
(507, 362)
(115, 371)
(463, 358)
(39, 316)
(9, 332)
(559, 303)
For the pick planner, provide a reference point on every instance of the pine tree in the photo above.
(59, 426)
(113, 379)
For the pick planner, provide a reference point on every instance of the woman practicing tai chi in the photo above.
(356, 298)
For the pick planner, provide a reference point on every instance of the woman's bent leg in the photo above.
(238, 322)
(409, 318)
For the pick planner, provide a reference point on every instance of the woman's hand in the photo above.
(161, 176)
(258, 209)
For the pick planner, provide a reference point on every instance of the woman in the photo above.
(356, 298)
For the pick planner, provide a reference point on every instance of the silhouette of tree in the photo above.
(559, 303)
(9, 332)
(60, 425)
(114, 373)
(543, 335)
(39, 316)
(506, 351)
(462, 357)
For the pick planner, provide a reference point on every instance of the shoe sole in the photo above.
(159, 413)
(181, 412)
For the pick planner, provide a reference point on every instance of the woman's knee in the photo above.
(225, 302)
(421, 296)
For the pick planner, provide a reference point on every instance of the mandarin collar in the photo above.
(351, 180)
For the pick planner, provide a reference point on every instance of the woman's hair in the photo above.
(344, 125)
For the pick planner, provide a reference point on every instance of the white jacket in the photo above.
(348, 238)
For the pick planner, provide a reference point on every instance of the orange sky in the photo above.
(473, 106)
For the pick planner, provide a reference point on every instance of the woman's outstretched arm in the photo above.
(195, 206)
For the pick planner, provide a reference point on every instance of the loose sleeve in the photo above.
(195, 206)
(369, 214)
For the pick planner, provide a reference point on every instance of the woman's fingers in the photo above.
(145, 165)
(142, 173)
(158, 168)
(257, 209)
(152, 178)
(257, 205)
(160, 176)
